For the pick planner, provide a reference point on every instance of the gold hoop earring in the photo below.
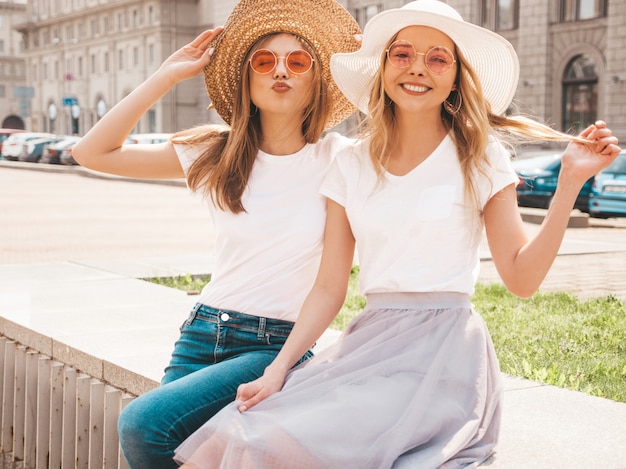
(452, 109)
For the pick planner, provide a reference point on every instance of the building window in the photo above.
(364, 14)
(578, 10)
(93, 24)
(120, 59)
(152, 121)
(93, 64)
(151, 54)
(135, 56)
(106, 62)
(580, 93)
(499, 15)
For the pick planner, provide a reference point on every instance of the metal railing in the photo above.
(54, 416)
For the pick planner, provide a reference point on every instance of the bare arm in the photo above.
(521, 262)
(320, 308)
(103, 149)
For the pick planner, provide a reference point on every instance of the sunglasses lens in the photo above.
(439, 60)
(263, 61)
(401, 54)
(299, 61)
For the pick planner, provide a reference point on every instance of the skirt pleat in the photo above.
(413, 382)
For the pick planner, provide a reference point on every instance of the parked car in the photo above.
(33, 149)
(538, 178)
(12, 146)
(608, 193)
(65, 157)
(150, 137)
(52, 152)
(5, 133)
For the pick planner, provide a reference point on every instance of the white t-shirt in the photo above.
(414, 233)
(266, 258)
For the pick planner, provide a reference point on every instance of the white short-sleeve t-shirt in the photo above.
(416, 233)
(266, 258)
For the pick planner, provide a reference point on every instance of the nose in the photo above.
(419, 65)
(281, 70)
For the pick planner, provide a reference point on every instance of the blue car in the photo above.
(608, 194)
(538, 178)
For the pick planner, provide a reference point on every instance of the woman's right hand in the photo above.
(250, 394)
(190, 60)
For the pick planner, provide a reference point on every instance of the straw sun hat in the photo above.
(491, 56)
(324, 24)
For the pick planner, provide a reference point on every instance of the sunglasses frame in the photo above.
(425, 54)
(276, 58)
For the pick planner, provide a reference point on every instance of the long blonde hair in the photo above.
(223, 169)
(470, 127)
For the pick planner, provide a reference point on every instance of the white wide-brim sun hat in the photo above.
(491, 56)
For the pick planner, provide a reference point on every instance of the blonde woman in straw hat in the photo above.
(267, 74)
(414, 381)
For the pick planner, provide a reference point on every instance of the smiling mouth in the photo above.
(415, 88)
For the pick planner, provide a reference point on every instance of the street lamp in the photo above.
(69, 101)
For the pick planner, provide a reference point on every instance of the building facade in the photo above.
(83, 56)
(14, 95)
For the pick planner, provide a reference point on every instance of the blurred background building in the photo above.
(71, 60)
(14, 94)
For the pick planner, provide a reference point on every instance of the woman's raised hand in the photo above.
(581, 161)
(190, 60)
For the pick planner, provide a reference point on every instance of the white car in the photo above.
(13, 146)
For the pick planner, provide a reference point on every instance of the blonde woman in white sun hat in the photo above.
(267, 74)
(414, 381)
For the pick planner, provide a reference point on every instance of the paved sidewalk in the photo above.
(72, 250)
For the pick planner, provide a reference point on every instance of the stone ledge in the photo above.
(577, 219)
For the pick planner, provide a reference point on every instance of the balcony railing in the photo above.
(54, 416)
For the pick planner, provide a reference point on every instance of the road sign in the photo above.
(70, 101)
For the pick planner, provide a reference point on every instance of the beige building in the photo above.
(83, 56)
(14, 94)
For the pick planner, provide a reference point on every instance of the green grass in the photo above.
(553, 338)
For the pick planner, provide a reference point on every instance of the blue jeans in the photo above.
(216, 352)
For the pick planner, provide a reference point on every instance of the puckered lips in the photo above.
(281, 87)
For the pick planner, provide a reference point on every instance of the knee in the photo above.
(135, 422)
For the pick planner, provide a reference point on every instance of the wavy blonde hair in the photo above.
(469, 128)
(223, 169)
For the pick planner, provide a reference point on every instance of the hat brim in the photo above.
(324, 24)
(491, 56)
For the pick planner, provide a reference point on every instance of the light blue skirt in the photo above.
(413, 382)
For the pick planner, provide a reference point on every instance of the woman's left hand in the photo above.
(582, 161)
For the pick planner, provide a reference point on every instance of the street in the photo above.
(63, 216)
